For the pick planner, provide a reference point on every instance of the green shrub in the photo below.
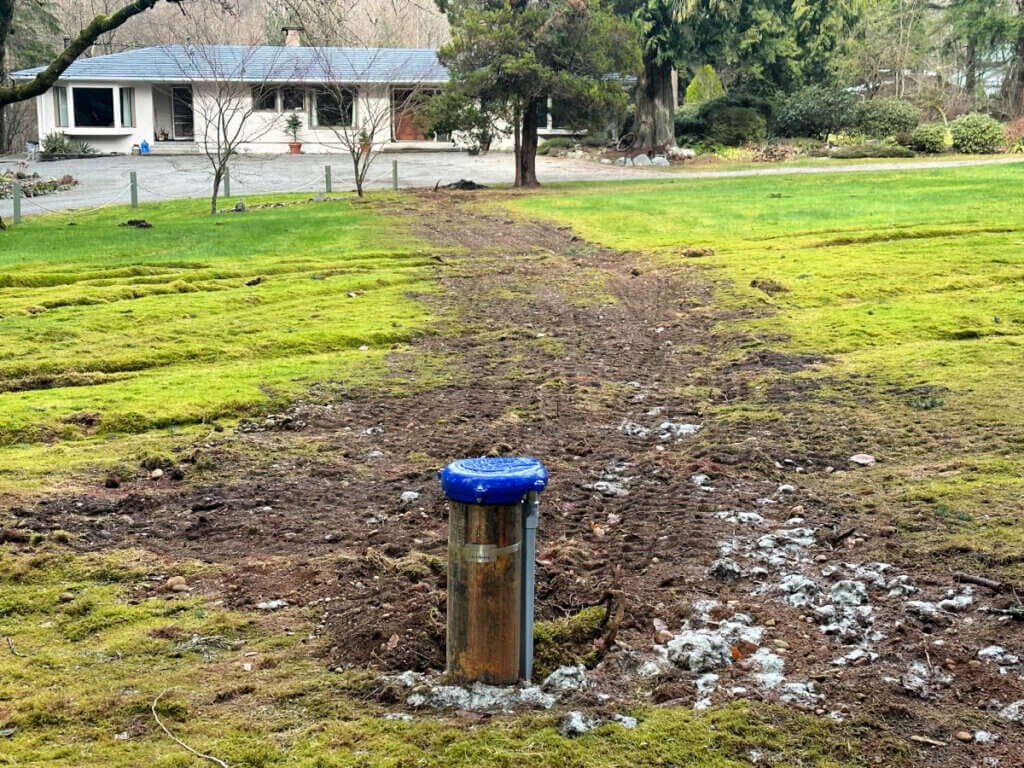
(56, 144)
(689, 128)
(82, 148)
(731, 121)
(976, 134)
(815, 111)
(870, 150)
(930, 138)
(879, 118)
(704, 87)
(559, 142)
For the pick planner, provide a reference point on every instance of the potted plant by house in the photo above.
(364, 142)
(293, 124)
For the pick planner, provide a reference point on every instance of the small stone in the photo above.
(625, 721)
(863, 459)
(821, 559)
(175, 581)
(112, 481)
(576, 723)
(66, 597)
(156, 474)
(964, 736)
(409, 497)
(179, 588)
(663, 636)
(889, 530)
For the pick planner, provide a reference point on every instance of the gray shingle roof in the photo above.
(257, 64)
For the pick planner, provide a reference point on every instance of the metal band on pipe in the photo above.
(487, 553)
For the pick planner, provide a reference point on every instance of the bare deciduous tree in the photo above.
(224, 80)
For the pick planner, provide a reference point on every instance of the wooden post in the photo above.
(16, 200)
(227, 182)
(327, 179)
(484, 592)
(394, 174)
(134, 189)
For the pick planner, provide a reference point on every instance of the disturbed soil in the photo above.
(605, 367)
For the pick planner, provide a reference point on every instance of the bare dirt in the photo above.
(309, 506)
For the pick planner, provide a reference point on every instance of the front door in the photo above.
(182, 122)
(403, 103)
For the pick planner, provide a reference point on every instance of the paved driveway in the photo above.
(103, 181)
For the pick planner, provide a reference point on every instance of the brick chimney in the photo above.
(291, 36)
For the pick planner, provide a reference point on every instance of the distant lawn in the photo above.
(906, 280)
(108, 331)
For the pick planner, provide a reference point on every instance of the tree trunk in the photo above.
(1013, 85)
(971, 72)
(518, 147)
(218, 175)
(526, 168)
(356, 155)
(655, 121)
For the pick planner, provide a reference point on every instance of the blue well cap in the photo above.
(501, 480)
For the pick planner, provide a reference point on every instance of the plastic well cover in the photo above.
(500, 480)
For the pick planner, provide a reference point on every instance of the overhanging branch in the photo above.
(97, 27)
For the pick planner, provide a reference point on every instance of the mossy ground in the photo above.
(113, 337)
(87, 671)
(908, 283)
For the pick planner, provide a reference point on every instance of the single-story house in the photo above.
(172, 96)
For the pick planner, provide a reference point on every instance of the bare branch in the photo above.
(178, 741)
(100, 25)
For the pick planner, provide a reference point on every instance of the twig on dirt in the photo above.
(835, 541)
(928, 741)
(178, 741)
(10, 644)
(981, 581)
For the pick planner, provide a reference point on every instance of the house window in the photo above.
(93, 107)
(334, 109)
(127, 107)
(60, 97)
(293, 99)
(561, 114)
(264, 99)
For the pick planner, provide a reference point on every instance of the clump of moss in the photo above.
(568, 640)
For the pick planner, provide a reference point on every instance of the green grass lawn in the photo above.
(912, 279)
(109, 331)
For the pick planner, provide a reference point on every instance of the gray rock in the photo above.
(481, 698)
(725, 569)
(996, 654)
(610, 489)
(660, 161)
(625, 721)
(798, 589)
(767, 668)
(605, 161)
(922, 609)
(985, 737)
(1013, 712)
(849, 593)
(576, 724)
(799, 693)
(641, 160)
(272, 605)
(958, 602)
(409, 497)
(699, 650)
(632, 429)
(566, 679)
(670, 429)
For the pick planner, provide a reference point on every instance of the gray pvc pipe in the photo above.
(531, 513)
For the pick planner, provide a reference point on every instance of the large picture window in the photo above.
(335, 108)
(264, 99)
(60, 106)
(127, 107)
(94, 107)
(293, 99)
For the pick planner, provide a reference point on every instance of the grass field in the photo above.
(115, 343)
(140, 334)
(913, 281)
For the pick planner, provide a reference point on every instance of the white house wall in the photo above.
(105, 140)
(265, 132)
